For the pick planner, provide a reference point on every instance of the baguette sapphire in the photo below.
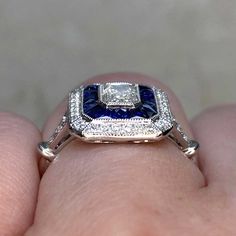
(94, 108)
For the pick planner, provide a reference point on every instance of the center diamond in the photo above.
(119, 95)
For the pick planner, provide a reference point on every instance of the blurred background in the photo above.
(49, 46)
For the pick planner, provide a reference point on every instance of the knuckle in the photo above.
(9, 121)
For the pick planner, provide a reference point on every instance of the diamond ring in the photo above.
(117, 112)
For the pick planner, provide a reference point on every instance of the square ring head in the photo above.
(119, 111)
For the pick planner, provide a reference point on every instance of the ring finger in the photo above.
(94, 189)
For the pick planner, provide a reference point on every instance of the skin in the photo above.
(120, 189)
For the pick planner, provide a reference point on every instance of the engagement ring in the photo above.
(116, 112)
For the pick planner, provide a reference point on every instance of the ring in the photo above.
(116, 112)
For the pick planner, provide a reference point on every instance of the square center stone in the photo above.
(120, 95)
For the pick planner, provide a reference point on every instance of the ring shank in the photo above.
(188, 146)
(62, 136)
(50, 149)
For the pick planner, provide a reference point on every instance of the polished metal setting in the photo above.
(116, 112)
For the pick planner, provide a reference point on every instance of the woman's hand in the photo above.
(120, 189)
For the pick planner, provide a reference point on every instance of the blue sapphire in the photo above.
(146, 94)
(120, 113)
(93, 108)
(96, 112)
(91, 92)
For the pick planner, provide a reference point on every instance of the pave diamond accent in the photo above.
(166, 120)
(109, 130)
(77, 122)
(58, 129)
(123, 95)
(181, 131)
(119, 123)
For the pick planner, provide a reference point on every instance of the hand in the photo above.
(120, 189)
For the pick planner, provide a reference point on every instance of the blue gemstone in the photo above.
(146, 93)
(91, 92)
(93, 108)
(93, 87)
(150, 105)
(148, 108)
(137, 112)
(90, 95)
(89, 106)
(96, 112)
(114, 114)
(107, 113)
(120, 113)
(90, 101)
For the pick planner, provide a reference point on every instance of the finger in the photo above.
(99, 187)
(216, 131)
(19, 176)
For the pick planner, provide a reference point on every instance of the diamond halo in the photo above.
(108, 129)
(116, 112)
